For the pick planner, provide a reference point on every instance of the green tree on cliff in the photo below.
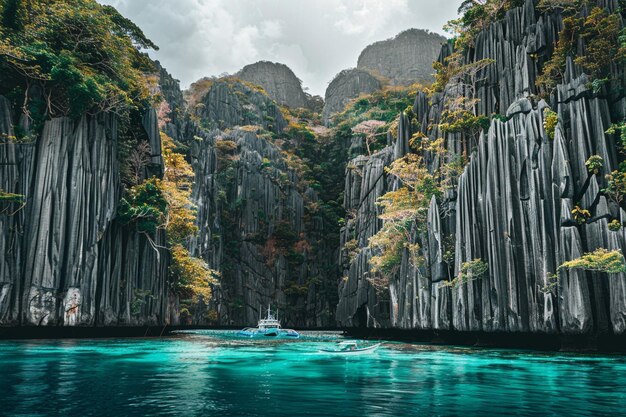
(71, 57)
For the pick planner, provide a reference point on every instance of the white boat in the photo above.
(268, 327)
(351, 348)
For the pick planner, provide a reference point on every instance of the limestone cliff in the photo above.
(279, 81)
(404, 59)
(230, 103)
(173, 107)
(511, 207)
(257, 218)
(347, 85)
(401, 61)
(65, 259)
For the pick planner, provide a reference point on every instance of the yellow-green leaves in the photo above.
(616, 186)
(470, 271)
(193, 277)
(600, 31)
(594, 164)
(581, 215)
(600, 260)
(550, 121)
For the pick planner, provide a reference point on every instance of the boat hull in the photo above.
(268, 333)
(360, 351)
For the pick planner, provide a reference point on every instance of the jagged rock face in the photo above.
(366, 182)
(174, 119)
(346, 86)
(512, 207)
(258, 226)
(405, 59)
(278, 80)
(65, 260)
(230, 103)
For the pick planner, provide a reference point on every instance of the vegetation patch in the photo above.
(83, 57)
(550, 121)
(470, 271)
(600, 260)
(594, 164)
(602, 34)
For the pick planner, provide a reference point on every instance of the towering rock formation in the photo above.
(65, 259)
(68, 260)
(279, 81)
(405, 59)
(512, 205)
(258, 220)
(229, 103)
(173, 107)
(347, 85)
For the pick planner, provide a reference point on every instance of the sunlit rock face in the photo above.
(405, 59)
(511, 206)
(278, 80)
(65, 259)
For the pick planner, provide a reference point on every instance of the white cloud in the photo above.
(317, 39)
(369, 15)
(272, 29)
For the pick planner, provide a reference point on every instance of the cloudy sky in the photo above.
(316, 38)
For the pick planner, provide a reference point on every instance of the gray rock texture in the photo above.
(278, 80)
(64, 258)
(404, 59)
(230, 103)
(258, 222)
(346, 86)
(511, 207)
(173, 96)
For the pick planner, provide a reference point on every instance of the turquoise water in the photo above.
(209, 373)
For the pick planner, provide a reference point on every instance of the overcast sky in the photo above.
(316, 38)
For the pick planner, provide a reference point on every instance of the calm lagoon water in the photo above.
(210, 373)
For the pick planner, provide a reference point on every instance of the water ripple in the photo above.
(209, 373)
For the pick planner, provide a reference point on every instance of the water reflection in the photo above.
(212, 373)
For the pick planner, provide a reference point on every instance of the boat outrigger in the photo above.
(268, 327)
(351, 348)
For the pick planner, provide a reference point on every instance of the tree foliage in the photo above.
(550, 121)
(602, 35)
(594, 164)
(144, 206)
(616, 180)
(580, 215)
(82, 56)
(402, 211)
(477, 15)
(164, 204)
(192, 276)
(177, 182)
(460, 108)
(470, 271)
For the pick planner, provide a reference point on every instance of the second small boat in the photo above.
(351, 348)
